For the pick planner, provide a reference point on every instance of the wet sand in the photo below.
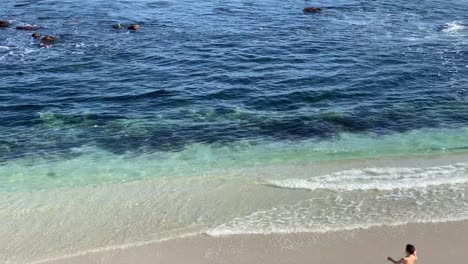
(435, 243)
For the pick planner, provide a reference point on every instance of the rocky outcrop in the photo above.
(28, 28)
(134, 27)
(312, 10)
(36, 35)
(4, 24)
(47, 41)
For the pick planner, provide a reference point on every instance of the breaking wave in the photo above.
(381, 178)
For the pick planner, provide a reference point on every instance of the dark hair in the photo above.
(410, 249)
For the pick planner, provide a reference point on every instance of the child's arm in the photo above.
(401, 261)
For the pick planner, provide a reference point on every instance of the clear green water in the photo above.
(94, 166)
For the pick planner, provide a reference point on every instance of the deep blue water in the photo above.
(217, 72)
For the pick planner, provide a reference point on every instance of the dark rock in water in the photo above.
(52, 174)
(36, 35)
(134, 27)
(312, 9)
(118, 26)
(22, 5)
(221, 10)
(28, 28)
(47, 41)
(4, 24)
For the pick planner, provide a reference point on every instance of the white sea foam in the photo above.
(220, 231)
(347, 210)
(453, 26)
(381, 178)
(362, 198)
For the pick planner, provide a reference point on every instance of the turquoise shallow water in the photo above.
(94, 166)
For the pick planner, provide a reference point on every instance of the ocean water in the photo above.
(227, 118)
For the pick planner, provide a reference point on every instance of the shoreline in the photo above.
(435, 243)
(139, 215)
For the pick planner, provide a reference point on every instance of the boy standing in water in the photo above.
(410, 256)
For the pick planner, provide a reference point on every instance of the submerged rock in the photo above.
(134, 27)
(22, 5)
(52, 174)
(28, 28)
(47, 40)
(117, 26)
(4, 24)
(36, 35)
(312, 10)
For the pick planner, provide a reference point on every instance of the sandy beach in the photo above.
(436, 243)
(240, 220)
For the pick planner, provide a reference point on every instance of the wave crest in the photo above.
(453, 26)
(380, 178)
